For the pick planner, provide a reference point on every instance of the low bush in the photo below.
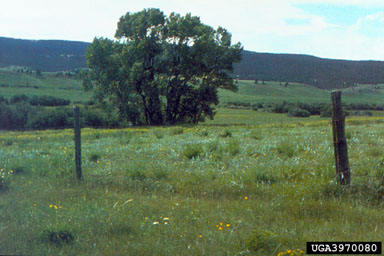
(233, 147)
(18, 98)
(51, 119)
(192, 151)
(3, 100)
(94, 118)
(158, 134)
(58, 238)
(298, 112)
(50, 101)
(176, 131)
(360, 113)
(225, 134)
(263, 242)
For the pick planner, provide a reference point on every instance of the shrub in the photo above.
(6, 114)
(286, 149)
(233, 147)
(255, 135)
(298, 112)
(254, 107)
(160, 174)
(263, 242)
(225, 134)
(8, 142)
(58, 238)
(158, 134)
(265, 177)
(326, 111)
(94, 157)
(4, 177)
(48, 101)
(58, 118)
(176, 131)
(279, 107)
(94, 118)
(20, 115)
(313, 109)
(193, 151)
(360, 113)
(3, 100)
(137, 175)
(18, 98)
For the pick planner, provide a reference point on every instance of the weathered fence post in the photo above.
(76, 122)
(339, 140)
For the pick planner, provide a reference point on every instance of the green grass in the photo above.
(269, 187)
(245, 183)
(249, 92)
(12, 83)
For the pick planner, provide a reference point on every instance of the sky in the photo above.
(338, 29)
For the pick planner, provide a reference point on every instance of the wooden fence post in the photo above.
(339, 140)
(76, 122)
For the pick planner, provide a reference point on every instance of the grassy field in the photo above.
(249, 92)
(12, 83)
(249, 183)
(246, 183)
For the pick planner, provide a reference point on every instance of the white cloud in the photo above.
(260, 25)
(362, 3)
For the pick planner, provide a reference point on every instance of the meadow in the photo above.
(246, 183)
(259, 185)
(16, 83)
(70, 87)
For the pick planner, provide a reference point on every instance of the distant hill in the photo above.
(322, 73)
(58, 55)
(44, 55)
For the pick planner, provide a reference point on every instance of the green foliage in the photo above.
(286, 148)
(298, 112)
(233, 147)
(146, 197)
(94, 157)
(225, 134)
(4, 179)
(137, 175)
(43, 100)
(21, 115)
(192, 151)
(158, 134)
(57, 118)
(326, 111)
(204, 133)
(360, 113)
(255, 134)
(165, 70)
(58, 238)
(176, 131)
(263, 242)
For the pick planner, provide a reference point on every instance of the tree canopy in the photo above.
(162, 70)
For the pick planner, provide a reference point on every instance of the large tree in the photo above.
(162, 69)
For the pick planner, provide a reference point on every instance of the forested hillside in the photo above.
(323, 73)
(58, 55)
(44, 55)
